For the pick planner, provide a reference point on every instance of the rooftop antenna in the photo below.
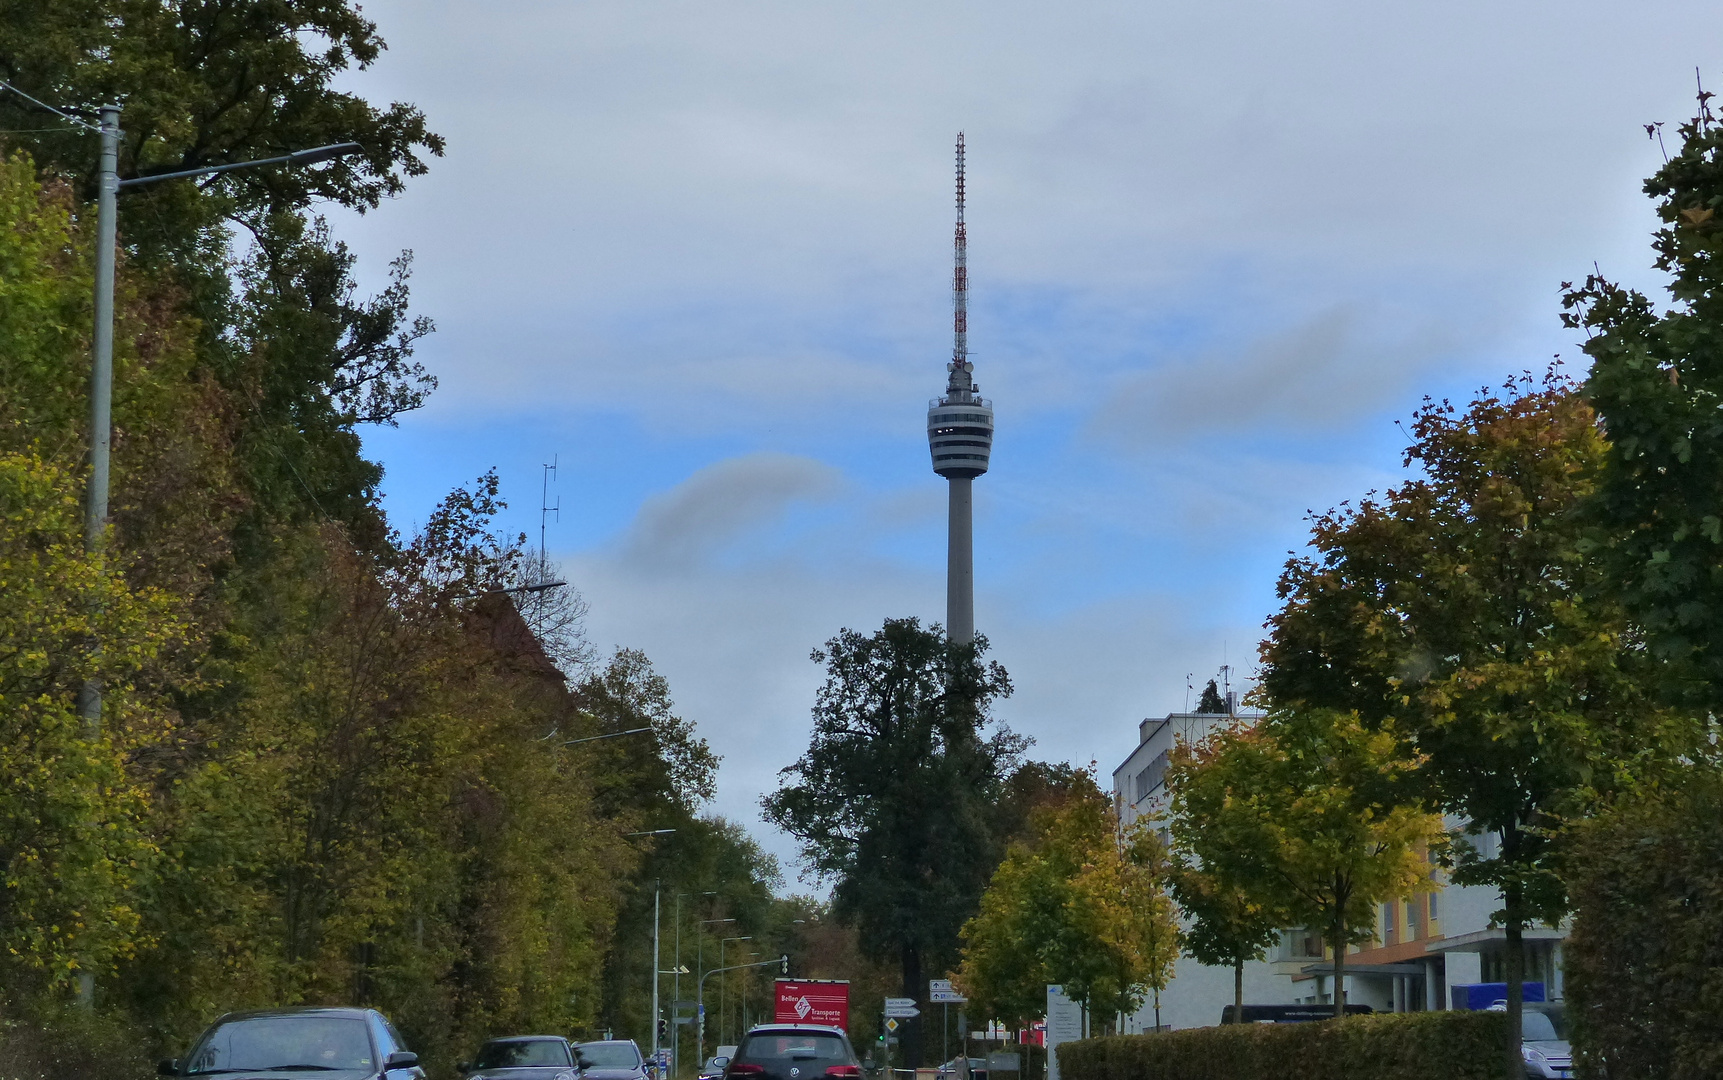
(544, 508)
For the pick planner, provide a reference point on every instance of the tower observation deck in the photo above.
(960, 437)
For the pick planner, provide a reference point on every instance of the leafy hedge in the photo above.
(1402, 1046)
(1645, 962)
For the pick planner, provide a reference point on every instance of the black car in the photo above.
(523, 1057)
(300, 1044)
(793, 1052)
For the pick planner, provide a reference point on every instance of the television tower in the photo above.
(960, 435)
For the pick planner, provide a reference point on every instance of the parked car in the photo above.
(300, 1044)
(1543, 1040)
(714, 1067)
(793, 1052)
(523, 1057)
(956, 1068)
(610, 1059)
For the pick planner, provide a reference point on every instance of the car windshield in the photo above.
(784, 1046)
(277, 1042)
(1538, 1027)
(524, 1054)
(610, 1055)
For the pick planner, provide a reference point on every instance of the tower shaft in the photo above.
(960, 563)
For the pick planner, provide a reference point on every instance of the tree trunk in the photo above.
(910, 1040)
(1157, 1012)
(1340, 966)
(1515, 968)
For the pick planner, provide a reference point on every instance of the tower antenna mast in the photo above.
(960, 277)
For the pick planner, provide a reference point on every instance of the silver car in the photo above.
(611, 1059)
(1543, 1041)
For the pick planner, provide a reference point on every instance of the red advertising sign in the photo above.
(813, 1001)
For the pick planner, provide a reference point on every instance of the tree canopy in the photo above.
(1312, 813)
(1077, 904)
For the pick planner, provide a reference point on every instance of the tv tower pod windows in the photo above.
(960, 435)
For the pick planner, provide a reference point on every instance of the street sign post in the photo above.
(939, 992)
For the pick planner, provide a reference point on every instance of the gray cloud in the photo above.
(1309, 379)
(721, 504)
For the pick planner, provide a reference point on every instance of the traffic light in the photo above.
(663, 1030)
(784, 964)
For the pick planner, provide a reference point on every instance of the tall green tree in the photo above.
(1654, 381)
(1463, 605)
(1313, 814)
(1211, 701)
(894, 799)
(291, 358)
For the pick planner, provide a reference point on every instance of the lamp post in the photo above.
(700, 966)
(108, 187)
(784, 965)
(724, 987)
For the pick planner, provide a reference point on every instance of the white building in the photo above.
(1424, 944)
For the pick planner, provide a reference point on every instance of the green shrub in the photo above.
(1402, 1046)
(68, 1043)
(1645, 962)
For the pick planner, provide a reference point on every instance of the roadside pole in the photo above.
(652, 1023)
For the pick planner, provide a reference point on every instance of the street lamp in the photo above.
(724, 986)
(700, 966)
(102, 343)
(611, 735)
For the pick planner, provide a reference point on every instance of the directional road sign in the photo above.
(946, 997)
(902, 1012)
(900, 1003)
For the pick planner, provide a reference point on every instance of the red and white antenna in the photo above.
(960, 284)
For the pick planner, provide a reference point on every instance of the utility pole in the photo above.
(676, 997)
(656, 888)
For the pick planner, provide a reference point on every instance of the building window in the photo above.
(1431, 901)
(1150, 778)
(1388, 923)
(1302, 944)
(1411, 918)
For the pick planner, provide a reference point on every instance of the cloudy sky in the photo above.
(698, 254)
